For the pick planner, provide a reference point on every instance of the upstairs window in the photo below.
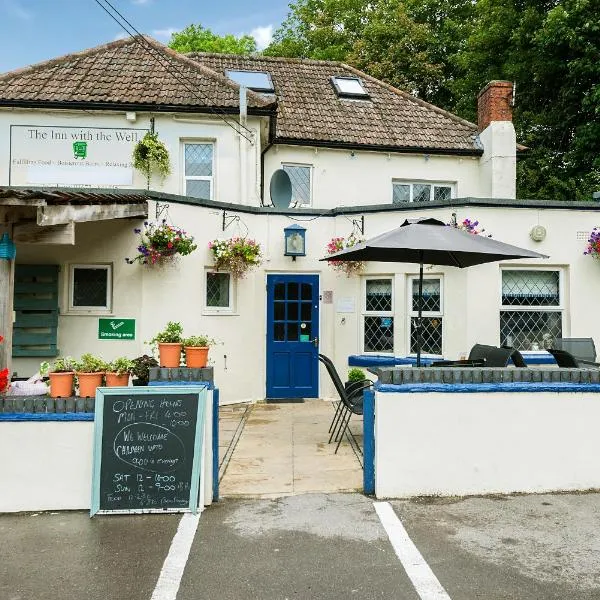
(300, 176)
(198, 170)
(409, 191)
(349, 87)
(257, 81)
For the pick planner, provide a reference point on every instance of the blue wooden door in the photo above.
(292, 336)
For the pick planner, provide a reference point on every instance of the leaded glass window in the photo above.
(378, 332)
(198, 170)
(300, 176)
(218, 290)
(407, 191)
(90, 287)
(531, 313)
(432, 319)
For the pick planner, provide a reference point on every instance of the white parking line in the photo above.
(171, 573)
(424, 581)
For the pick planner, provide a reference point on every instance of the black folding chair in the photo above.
(580, 348)
(351, 401)
(481, 355)
(568, 361)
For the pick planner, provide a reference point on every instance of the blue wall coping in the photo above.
(385, 360)
(472, 388)
(46, 416)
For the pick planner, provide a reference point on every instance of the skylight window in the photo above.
(258, 81)
(349, 87)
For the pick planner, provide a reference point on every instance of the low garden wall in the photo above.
(503, 436)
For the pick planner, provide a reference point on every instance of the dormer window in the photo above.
(349, 87)
(257, 81)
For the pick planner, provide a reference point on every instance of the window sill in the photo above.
(220, 313)
(87, 313)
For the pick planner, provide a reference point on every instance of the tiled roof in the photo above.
(73, 196)
(124, 72)
(308, 108)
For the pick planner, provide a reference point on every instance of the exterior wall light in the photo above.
(295, 241)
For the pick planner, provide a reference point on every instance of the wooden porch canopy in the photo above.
(48, 216)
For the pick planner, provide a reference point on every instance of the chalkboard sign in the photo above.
(147, 449)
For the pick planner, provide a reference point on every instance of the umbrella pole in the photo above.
(419, 336)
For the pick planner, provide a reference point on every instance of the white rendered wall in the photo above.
(484, 443)
(45, 465)
(499, 161)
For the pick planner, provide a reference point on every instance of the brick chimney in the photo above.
(494, 103)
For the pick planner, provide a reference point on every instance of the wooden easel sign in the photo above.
(147, 449)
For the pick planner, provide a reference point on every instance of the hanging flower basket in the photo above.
(593, 244)
(350, 267)
(150, 155)
(468, 225)
(237, 255)
(4, 381)
(160, 242)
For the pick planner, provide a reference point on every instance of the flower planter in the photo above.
(116, 380)
(61, 384)
(88, 382)
(196, 356)
(169, 355)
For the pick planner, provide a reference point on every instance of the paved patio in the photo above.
(273, 450)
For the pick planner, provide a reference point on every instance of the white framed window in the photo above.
(432, 329)
(301, 178)
(218, 292)
(198, 170)
(531, 307)
(420, 191)
(378, 314)
(90, 287)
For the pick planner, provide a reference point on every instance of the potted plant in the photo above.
(169, 342)
(350, 267)
(352, 386)
(237, 255)
(117, 372)
(150, 155)
(90, 371)
(196, 350)
(161, 241)
(61, 375)
(141, 369)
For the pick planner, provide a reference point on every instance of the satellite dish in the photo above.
(281, 189)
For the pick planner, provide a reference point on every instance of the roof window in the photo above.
(257, 81)
(349, 87)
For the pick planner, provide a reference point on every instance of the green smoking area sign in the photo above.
(116, 329)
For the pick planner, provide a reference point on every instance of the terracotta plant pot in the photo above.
(116, 380)
(196, 356)
(169, 355)
(61, 384)
(88, 382)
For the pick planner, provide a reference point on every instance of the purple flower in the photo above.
(137, 230)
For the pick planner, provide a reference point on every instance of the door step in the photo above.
(284, 400)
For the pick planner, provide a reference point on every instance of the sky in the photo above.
(32, 31)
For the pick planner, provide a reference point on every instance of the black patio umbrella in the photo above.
(429, 241)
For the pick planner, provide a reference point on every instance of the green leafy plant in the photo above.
(356, 374)
(171, 334)
(237, 255)
(141, 368)
(151, 155)
(62, 364)
(198, 341)
(159, 241)
(120, 366)
(88, 363)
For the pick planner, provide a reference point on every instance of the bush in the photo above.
(356, 374)
(141, 368)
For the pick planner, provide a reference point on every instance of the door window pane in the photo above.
(292, 309)
(292, 291)
(306, 291)
(280, 291)
(306, 311)
(279, 333)
(279, 311)
(292, 332)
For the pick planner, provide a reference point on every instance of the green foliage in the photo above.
(88, 363)
(141, 368)
(150, 155)
(171, 334)
(198, 341)
(195, 38)
(356, 374)
(62, 364)
(120, 365)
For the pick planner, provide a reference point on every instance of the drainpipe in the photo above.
(242, 141)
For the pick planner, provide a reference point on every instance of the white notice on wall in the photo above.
(76, 156)
(346, 305)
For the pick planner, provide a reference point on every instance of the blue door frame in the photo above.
(292, 336)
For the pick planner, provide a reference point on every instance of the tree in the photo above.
(195, 38)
